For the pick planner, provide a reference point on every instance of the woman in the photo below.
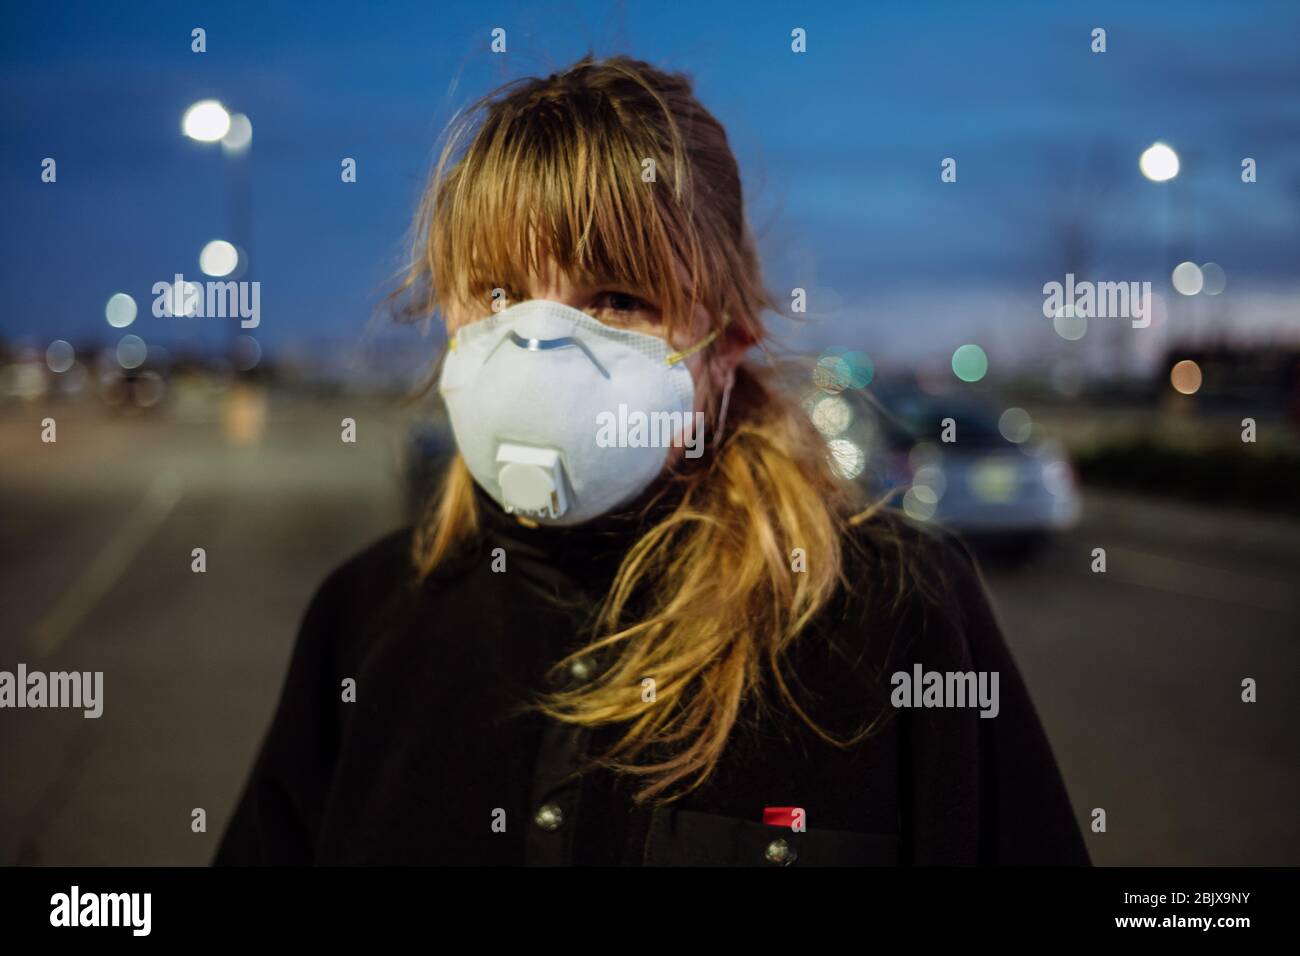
(643, 622)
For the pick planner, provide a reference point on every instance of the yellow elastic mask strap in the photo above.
(703, 343)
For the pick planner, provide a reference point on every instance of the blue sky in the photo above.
(840, 147)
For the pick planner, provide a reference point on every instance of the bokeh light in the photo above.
(931, 476)
(1058, 479)
(240, 134)
(24, 380)
(969, 363)
(131, 351)
(847, 459)
(1186, 377)
(860, 368)
(831, 414)
(206, 121)
(59, 356)
(920, 502)
(1015, 425)
(1214, 278)
(218, 258)
(831, 374)
(994, 480)
(1159, 163)
(838, 369)
(182, 298)
(120, 311)
(1187, 278)
(1068, 325)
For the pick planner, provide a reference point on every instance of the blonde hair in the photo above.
(554, 168)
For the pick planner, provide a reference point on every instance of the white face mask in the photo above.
(562, 418)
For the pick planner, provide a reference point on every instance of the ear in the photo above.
(735, 335)
(729, 350)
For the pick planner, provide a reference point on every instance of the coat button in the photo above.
(549, 817)
(780, 853)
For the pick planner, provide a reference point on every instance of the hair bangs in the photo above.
(536, 191)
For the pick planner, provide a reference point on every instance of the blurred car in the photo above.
(993, 482)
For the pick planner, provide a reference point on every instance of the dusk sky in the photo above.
(840, 147)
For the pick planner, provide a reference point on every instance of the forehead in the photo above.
(546, 272)
(538, 267)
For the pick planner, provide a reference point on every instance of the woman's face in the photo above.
(618, 307)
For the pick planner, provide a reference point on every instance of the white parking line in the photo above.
(102, 573)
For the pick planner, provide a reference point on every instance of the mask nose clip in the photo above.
(531, 480)
(547, 345)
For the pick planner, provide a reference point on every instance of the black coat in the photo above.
(416, 770)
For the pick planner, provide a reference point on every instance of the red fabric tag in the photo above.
(779, 816)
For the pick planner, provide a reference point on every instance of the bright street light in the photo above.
(218, 258)
(207, 121)
(1158, 163)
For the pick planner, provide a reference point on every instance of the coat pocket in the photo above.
(691, 838)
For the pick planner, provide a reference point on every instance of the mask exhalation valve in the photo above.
(531, 480)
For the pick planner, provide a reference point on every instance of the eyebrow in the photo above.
(613, 285)
(604, 283)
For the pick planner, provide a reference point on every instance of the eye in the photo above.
(622, 302)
